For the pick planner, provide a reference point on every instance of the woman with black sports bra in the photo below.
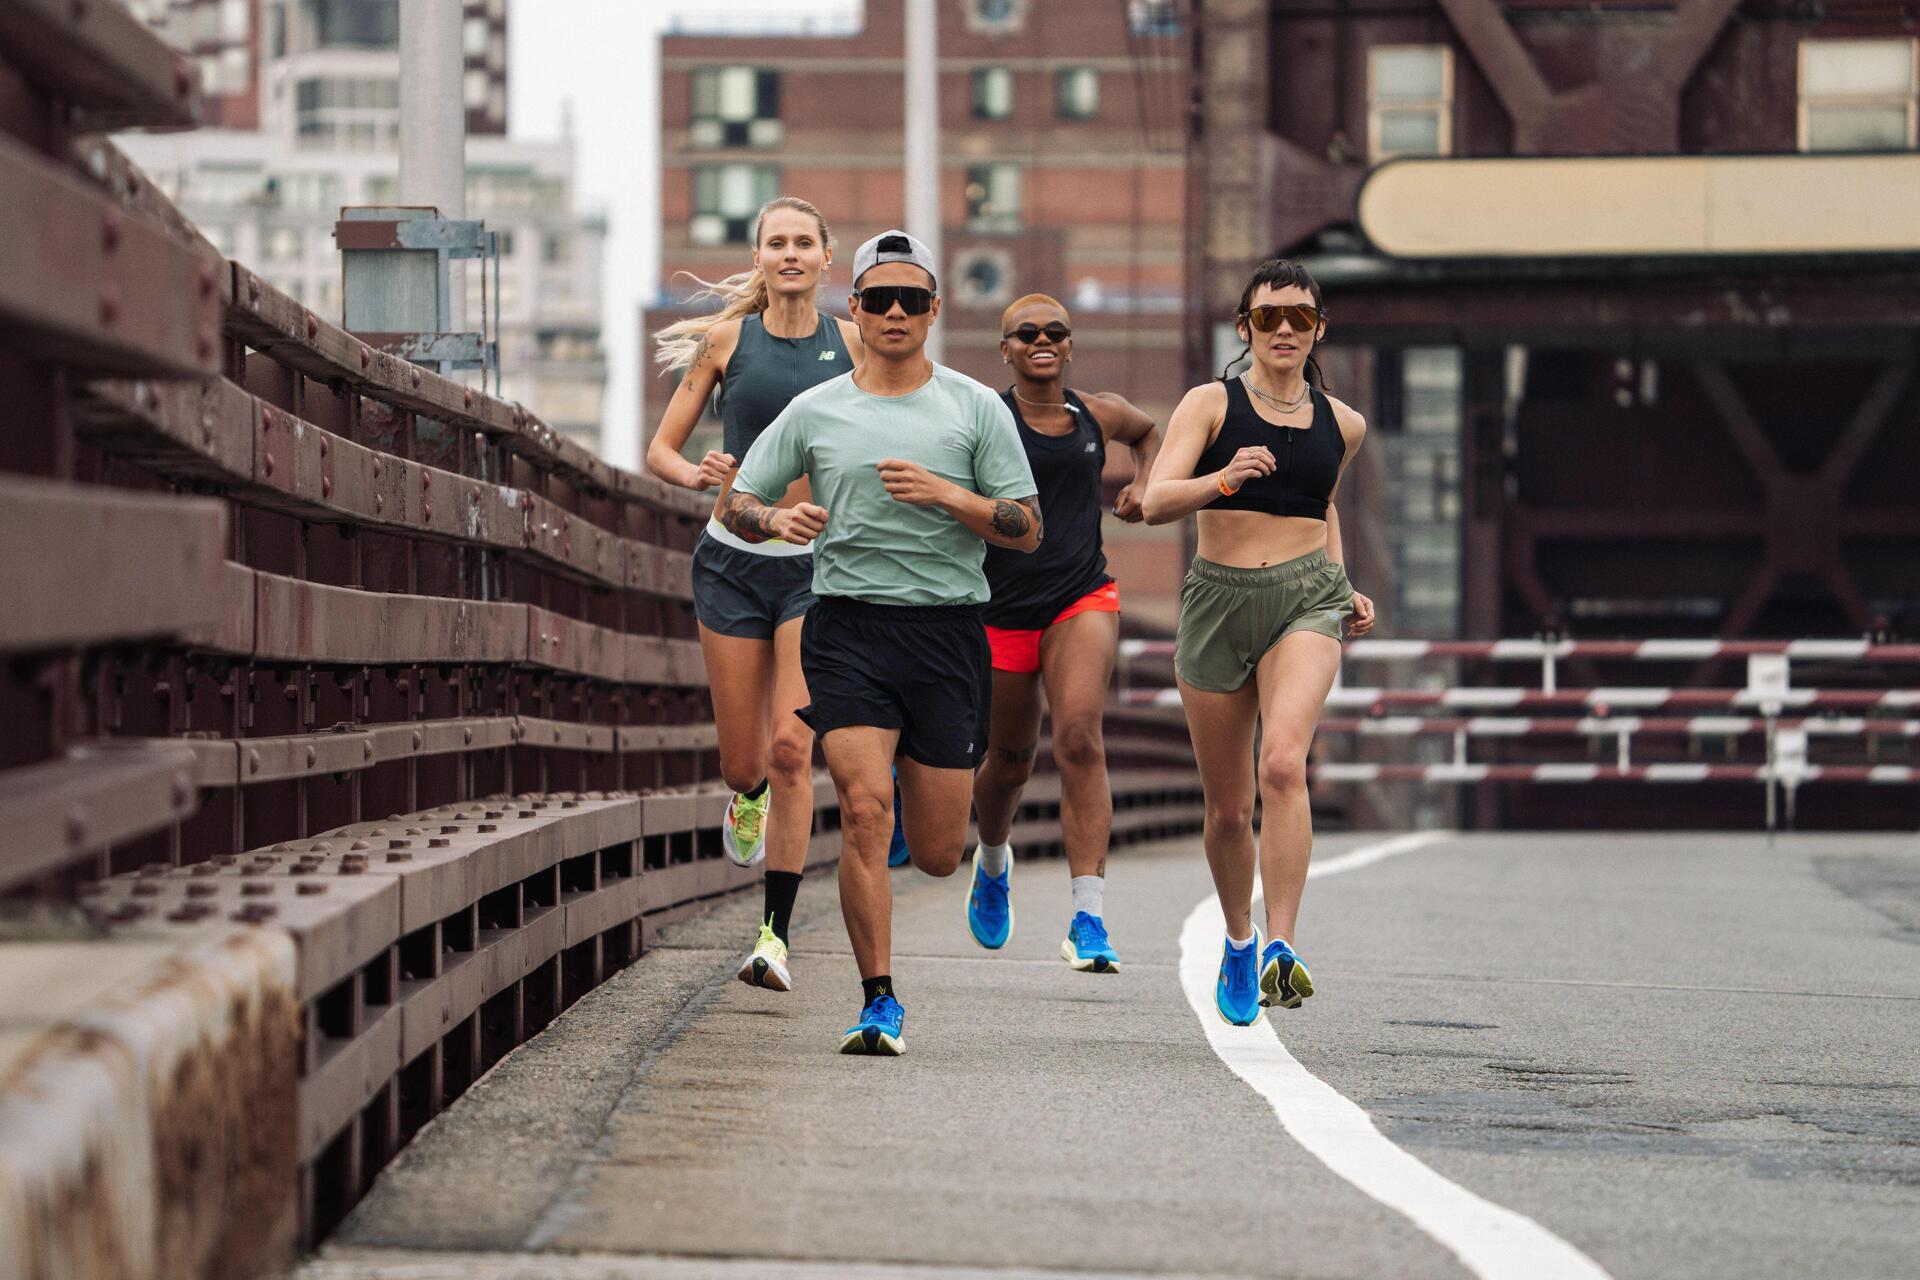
(765, 345)
(1258, 459)
(1054, 623)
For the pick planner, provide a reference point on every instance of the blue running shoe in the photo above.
(1087, 948)
(880, 1031)
(1237, 995)
(897, 855)
(990, 904)
(1284, 979)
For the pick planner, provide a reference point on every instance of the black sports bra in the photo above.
(1307, 459)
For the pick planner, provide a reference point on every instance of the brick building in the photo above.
(1063, 172)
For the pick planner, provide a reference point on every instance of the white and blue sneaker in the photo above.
(880, 1031)
(1087, 948)
(1237, 994)
(990, 904)
(1284, 979)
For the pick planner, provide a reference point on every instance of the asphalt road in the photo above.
(1681, 1055)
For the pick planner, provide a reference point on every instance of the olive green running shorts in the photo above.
(1230, 618)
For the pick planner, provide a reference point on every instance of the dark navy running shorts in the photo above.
(744, 593)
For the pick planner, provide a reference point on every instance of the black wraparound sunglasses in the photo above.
(878, 299)
(1030, 333)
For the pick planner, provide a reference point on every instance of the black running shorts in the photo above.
(925, 671)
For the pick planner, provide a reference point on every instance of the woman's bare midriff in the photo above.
(799, 491)
(1254, 539)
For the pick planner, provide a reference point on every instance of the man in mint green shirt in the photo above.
(914, 468)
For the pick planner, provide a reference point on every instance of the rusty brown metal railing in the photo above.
(352, 723)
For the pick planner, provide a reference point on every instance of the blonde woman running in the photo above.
(1259, 458)
(765, 345)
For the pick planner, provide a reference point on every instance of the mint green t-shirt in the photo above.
(874, 548)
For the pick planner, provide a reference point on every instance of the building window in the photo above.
(218, 184)
(307, 192)
(1857, 95)
(1409, 100)
(996, 17)
(235, 19)
(357, 24)
(362, 114)
(736, 107)
(236, 69)
(1076, 93)
(726, 197)
(992, 93)
(473, 37)
(556, 248)
(1153, 17)
(983, 277)
(993, 197)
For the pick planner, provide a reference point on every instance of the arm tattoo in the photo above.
(1009, 518)
(700, 352)
(1012, 517)
(745, 516)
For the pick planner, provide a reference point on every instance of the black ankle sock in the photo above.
(782, 886)
(872, 988)
(756, 792)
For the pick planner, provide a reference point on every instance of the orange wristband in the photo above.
(1226, 492)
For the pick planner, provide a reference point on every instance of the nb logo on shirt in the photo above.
(826, 355)
(1090, 446)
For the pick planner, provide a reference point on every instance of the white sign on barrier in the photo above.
(1767, 677)
(1790, 755)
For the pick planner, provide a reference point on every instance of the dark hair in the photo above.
(1279, 273)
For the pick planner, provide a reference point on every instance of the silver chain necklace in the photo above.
(1043, 404)
(1284, 406)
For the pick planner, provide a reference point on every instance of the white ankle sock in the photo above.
(993, 857)
(1087, 894)
(1241, 944)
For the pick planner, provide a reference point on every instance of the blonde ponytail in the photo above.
(741, 294)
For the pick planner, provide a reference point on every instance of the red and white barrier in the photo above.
(1464, 773)
(1629, 650)
(1601, 700)
(1610, 726)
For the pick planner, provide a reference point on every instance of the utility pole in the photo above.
(433, 119)
(922, 139)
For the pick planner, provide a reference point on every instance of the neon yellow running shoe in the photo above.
(766, 964)
(744, 830)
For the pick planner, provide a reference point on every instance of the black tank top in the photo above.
(766, 371)
(1029, 591)
(1306, 459)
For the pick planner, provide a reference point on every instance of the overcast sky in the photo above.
(601, 57)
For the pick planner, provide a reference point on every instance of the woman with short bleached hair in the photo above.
(1054, 627)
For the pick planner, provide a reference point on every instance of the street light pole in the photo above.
(433, 119)
(922, 138)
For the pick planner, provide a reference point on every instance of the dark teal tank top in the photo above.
(766, 372)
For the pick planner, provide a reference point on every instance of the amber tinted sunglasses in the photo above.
(1303, 318)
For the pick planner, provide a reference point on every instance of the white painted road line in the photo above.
(1492, 1242)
